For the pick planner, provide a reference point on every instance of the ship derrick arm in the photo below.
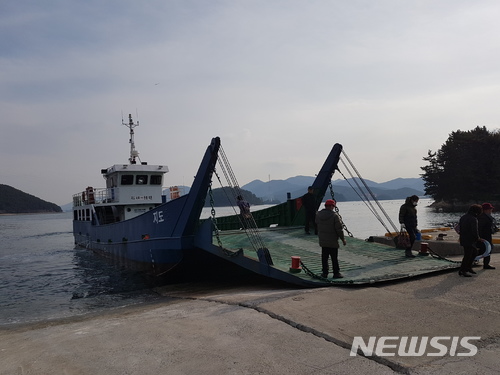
(188, 220)
(325, 174)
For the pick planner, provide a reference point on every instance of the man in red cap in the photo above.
(329, 233)
(487, 226)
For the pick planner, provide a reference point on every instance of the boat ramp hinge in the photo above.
(265, 256)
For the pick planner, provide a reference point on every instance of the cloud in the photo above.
(280, 82)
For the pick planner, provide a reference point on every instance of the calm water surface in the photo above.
(43, 276)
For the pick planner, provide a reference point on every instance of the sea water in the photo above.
(43, 276)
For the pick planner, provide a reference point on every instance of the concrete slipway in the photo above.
(263, 327)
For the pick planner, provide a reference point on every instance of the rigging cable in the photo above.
(248, 223)
(366, 199)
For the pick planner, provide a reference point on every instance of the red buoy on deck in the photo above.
(295, 268)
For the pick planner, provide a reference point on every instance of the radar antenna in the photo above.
(133, 152)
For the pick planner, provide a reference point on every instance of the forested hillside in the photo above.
(226, 197)
(14, 201)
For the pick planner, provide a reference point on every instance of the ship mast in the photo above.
(133, 152)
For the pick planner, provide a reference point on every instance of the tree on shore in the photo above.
(466, 168)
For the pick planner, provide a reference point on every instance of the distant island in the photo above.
(344, 190)
(224, 197)
(276, 191)
(14, 201)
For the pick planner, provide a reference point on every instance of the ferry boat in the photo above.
(131, 220)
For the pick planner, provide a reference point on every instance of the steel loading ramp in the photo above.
(361, 262)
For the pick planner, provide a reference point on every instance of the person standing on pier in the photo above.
(487, 226)
(408, 221)
(329, 233)
(469, 237)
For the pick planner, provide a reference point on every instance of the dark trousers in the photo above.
(486, 261)
(311, 217)
(330, 252)
(470, 252)
(412, 232)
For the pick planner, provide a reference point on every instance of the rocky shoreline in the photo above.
(442, 206)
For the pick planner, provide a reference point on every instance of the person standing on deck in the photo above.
(309, 203)
(408, 221)
(329, 232)
(244, 210)
(469, 237)
(486, 227)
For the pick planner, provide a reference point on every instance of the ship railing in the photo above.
(95, 196)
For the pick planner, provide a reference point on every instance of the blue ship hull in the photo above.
(156, 240)
(143, 243)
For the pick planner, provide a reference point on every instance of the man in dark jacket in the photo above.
(408, 221)
(469, 237)
(309, 203)
(486, 227)
(329, 233)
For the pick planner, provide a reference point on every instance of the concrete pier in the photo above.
(263, 327)
(443, 241)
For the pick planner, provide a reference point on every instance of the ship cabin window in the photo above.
(82, 215)
(111, 182)
(127, 179)
(156, 180)
(141, 179)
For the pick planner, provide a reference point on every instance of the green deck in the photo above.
(361, 262)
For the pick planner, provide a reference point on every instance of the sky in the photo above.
(280, 82)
